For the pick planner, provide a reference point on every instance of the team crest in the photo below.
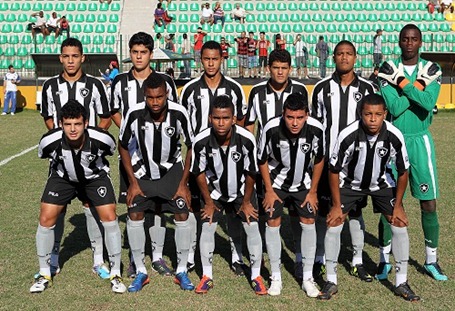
(392, 202)
(170, 131)
(382, 152)
(424, 188)
(102, 191)
(84, 92)
(305, 147)
(236, 156)
(91, 157)
(357, 96)
(180, 202)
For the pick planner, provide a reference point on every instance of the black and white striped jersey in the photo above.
(225, 168)
(126, 92)
(265, 104)
(290, 160)
(336, 107)
(364, 161)
(197, 97)
(88, 91)
(78, 166)
(155, 148)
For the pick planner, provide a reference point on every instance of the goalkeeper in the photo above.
(410, 86)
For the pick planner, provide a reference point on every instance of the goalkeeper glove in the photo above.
(427, 74)
(392, 74)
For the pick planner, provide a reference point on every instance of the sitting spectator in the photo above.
(207, 14)
(52, 24)
(64, 26)
(159, 15)
(239, 14)
(39, 25)
(110, 73)
(218, 14)
(434, 5)
(446, 5)
(280, 44)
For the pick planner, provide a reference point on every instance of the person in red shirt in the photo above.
(280, 44)
(242, 52)
(225, 46)
(252, 55)
(198, 42)
(263, 46)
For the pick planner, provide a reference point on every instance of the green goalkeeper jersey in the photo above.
(411, 109)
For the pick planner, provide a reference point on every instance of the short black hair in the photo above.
(409, 27)
(212, 45)
(73, 110)
(296, 101)
(72, 42)
(222, 102)
(141, 38)
(154, 81)
(282, 56)
(372, 99)
(10, 66)
(321, 37)
(344, 42)
(262, 33)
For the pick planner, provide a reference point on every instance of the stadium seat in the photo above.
(15, 6)
(115, 6)
(22, 18)
(81, 7)
(358, 7)
(4, 63)
(439, 17)
(444, 27)
(195, 7)
(416, 17)
(328, 18)
(362, 50)
(261, 18)
(208, 29)
(102, 18)
(343, 28)
(369, 38)
(232, 63)
(39, 40)
(13, 39)
(317, 18)
(112, 28)
(26, 6)
(110, 40)
(26, 39)
(49, 40)
(274, 28)
(405, 17)
(37, 7)
(339, 17)
(250, 18)
(372, 17)
(71, 7)
(358, 38)
(347, 6)
(368, 6)
(351, 18)
(297, 28)
(308, 28)
(90, 18)
(88, 28)
(227, 7)
(95, 49)
(2, 17)
(325, 6)
(332, 28)
(314, 7)
(98, 40)
(228, 28)
(284, 18)
(334, 38)
(194, 18)
(303, 6)
(306, 18)
(183, 28)
(93, 7)
(251, 28)
(361, 18)
(6, 28)
(272, 18)
(270, 7)
(86, 40)
(11, 18)
(295, 18)
(105, 7)
(48, 7)
(76, 28)
(79, 18)
(366, 28)
(311, 39)
(249, 6)
(10, 51)
(183, 7)
(433, 28)
(292, 6)
(367, 62)
(100, 28)
(320, 28)
(18, 63)
(428, 17)
(286, 28)
(388, 27)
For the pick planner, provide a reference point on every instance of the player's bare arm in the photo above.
(336, 216)
(247, 208)
(399, 217)
(312, 196)
(133, 189)
(183, 190)
(270, 196)
(209, 205)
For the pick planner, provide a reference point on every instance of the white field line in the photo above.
(3, 162)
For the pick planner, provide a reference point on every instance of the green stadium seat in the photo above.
(172, 28)
(347, 6)
(100, 28)
(22, 51)
(1, 51)
(358, 38)
(4, 64)
(368, 6)
(49, 40)
(6, 28)
(325, 6)
(249, 28)
(115, 7)
(59, 7)
(416, 17)
(39, 39)
(270, 7)
(423, 27)
(250, 18)
(369, 38)
(334, 38)
(232, 63)
(358, 7)
(227, 7)
(90, 18)
(274, 28)
(362, 50)
(330, 63)
(26, 6)
(311, 39)
(388, 27)
(183, 28)
(26, 39)
(112, 28)
(428, 17)
(10, 51)
(444, 27)
(372, 17)
(332, 28)
(105, 7)
(286, 28)
(272, 18)
(295, 18)
(354, 27)
(401, 6)
(98, 40)
(37, 7)
(195, 7)
(367, 63)
(450, 38)
(228, 28)
(315, 62)
(284, 18)
(320, 28)
(291, 50)
(22, 18)
(13, 39)
(390, 6)
(314, 7)
(95, 49)
(366, 28)
(15, 6)
(379, 6)
(18, 63)
(260, 6)
(79, 18)
(86, 40)
(308, 28)
(412, 6)
(317, 18)
(328, 18)
(249, 6)
(397, 50)
(18, 28)
(306, 18)
(71, 7)
(194, 18)
(110, 40)
(433, 28)
(439, 17)
(76, 28)
(297, 28)
(303, 6)
(157, 29)
(88, 28)
(351, 18)
(2, 17)
(102, 18)
(93, 7)
(336, 6)
(384, 17)
(386, 50)
(339, 17)
(11, 18)
(48, 7)
(85, 49)
(292, 7)
(183, 7)
(406, 17)
(343, 28)
(81, 7)
(208, 29)
(361, 18)
(261, 18)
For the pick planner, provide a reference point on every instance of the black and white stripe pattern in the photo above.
(88, 91)
(290, 161)
(363, 164)
(87, 164)
(127, 92)
(264, 103)
(225, 169)
(155, 148)
(197, 97)
(337, 108)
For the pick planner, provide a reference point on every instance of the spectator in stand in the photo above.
(64, 26)
(239, 14)
(170, 45)
(159, 15)
(198, 42)
(301, 57)
(280, 44)
(39, 25)
(377, 51)
(434, 5)
(374, 78)
(218, 14)
(108, 1)
(263, 45)
(225, 53)
(322, 50)
(186, 50)
(52, 24)
(242, 52)
(158, 42)
(446, 5)
(252, 55)
(207, 14)
(110, 73)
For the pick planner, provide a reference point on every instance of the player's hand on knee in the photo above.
(183, 191)
(208, 211)
(270, 197)
(335, 217)
(248, 210)
(311, 199)
(399, 218)
(133, 191)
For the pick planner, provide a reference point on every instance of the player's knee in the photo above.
(135, 216)
(307, 221)
(428, 206)
(181, 217)
(276, 222)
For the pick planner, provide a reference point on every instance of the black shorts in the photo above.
(51, 29)
(263, 61)
(160, 192)
(292, 200)
(123, 184)
(325, 197)
(383, 199)
(96, 192)
(195, 194)
(231, 207)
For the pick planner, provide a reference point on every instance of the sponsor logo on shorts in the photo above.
(424, 188)
(309, 208)
(170, 131)
(102, 191)
(357, 96)
(236, 156)
(382, 152)
(84, 92)
(305, 147)
(180, 203)
(53, 194)
(392, 202)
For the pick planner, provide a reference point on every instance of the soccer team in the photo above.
(320, 160)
